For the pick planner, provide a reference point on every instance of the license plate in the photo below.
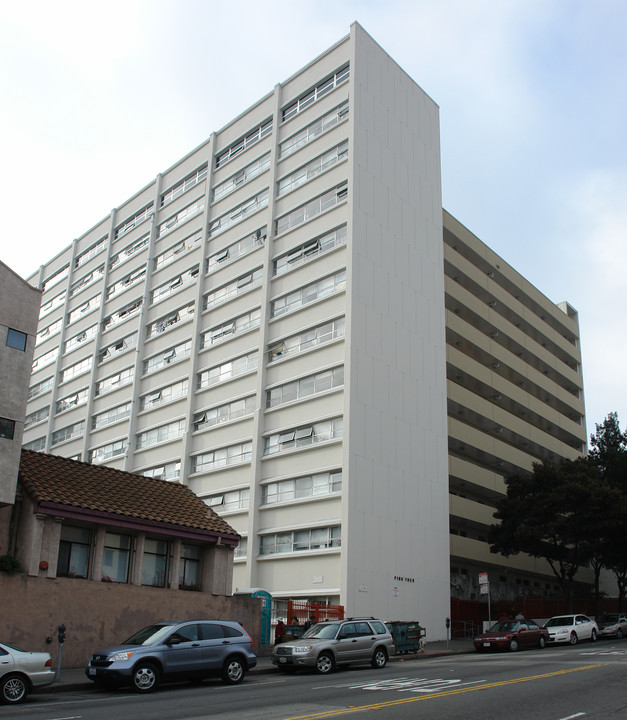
(282, 660)
(486, 644)
(92, 671)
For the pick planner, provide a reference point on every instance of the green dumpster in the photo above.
(407, 636)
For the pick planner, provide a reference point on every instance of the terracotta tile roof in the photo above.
(55, 480)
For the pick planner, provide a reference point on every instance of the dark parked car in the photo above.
(512, 635)
(188, 650)
(612, 625)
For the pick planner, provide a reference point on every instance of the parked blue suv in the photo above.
(189, 650)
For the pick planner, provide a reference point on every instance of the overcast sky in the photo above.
(97, 98)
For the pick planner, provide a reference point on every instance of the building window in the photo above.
(189, 567)
(108, 417)
(67, 433)
(40, 388)
(242, 247)
(155, 563)
(7, 429)
(240, 325)
(175, 284)
(165, 323)
(178, 250)
(159, 435)
(243, 143)
(314, 130)
(181, 217)
(231, 455)
(81, 338)
(305, 387)
(81, 310)
(116, 557)
(242, 549)
(169, 471)
(313, 169)
(308, 339)
(126, 282)
(55, 279)
(37, 445)
(106, 452)
(239, 213)
(123, 314)
(324, 538)
(133, 221)
(167, 357)
(36, 417)
(227, 501)
(71, 401)
(303, 436)
(16, 339)
(309, 250)
(129, 251)
(90, 252)
(228, 370)
(187, 184)
(77, 369)
(117, 348)
(51, 304)
(315, 94)
(224, 413)
(240, 178)
(299, 488)
(242, 284)
(74, 552)
(113, 382)
(87, 280)
(45, 359)
(310, 293)
(48, 331)
(312, 208)
(164, 395)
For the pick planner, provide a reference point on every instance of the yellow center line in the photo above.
(446, 693)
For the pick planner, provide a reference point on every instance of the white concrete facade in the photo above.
(269, 322)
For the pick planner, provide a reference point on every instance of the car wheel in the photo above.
(513, 644)
(233, 671)
(379, 658)
(325, 663)
(593, 635)
(542, 642)
(145, 677)
(13, 689)
(619, 634)
(573, 638)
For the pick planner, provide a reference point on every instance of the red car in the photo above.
(512, 635)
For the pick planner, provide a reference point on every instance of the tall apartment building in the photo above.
(278, 321)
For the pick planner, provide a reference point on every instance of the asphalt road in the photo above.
(587, 681)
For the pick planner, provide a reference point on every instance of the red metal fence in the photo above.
(304, 610)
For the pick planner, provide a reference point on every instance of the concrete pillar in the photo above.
(175, 567)
(36, 537)
(138, 560)
(96, 566)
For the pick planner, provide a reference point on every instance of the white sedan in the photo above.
(571, 629)
(21, 671)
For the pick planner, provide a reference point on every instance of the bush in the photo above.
(9, 564)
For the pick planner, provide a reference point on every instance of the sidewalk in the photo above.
(73, 679)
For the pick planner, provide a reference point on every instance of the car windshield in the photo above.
(149, 635)
(559, 621)
(504, 626)
(12, 647)
(326, 632)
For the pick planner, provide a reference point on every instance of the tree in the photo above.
(608, 452)
(550, 513)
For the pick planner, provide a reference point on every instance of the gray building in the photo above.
(279, 321)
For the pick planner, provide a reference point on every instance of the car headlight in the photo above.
(612, 627)
(302, 648)
(121, 656)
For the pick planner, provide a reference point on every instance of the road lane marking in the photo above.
(570, 717)
(447, 693)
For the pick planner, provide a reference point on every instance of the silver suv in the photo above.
(186, 650)
(338, 642)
